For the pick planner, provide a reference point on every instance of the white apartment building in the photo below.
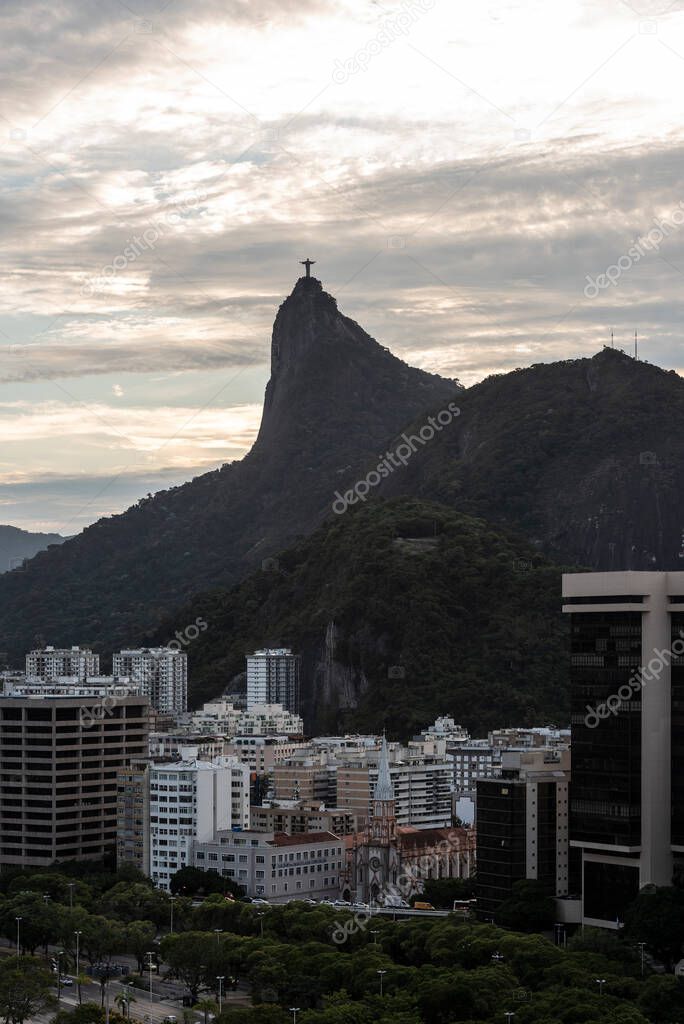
(191, 801)
(475, 760)
(51, 662)
(162, 673)
(168, 745)
(422, 790)
(276, 866)
(222, 718)
(273, 678)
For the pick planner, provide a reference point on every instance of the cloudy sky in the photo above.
(464, 174)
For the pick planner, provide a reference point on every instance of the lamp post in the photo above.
(294, 1010)
(70, 887)
(18, 920)
(150, 955)
(260, 915)
(172, 900)
(375, 934)
(497, 957)
(78, 951)
(219, 978)
(642, 946)
(381, 974)
(217, 932)
(60, 954)
(508, 1014)
(600, 982)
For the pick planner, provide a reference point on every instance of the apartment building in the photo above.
(262, 753)
(422, 790)
(627, 702)
(296, 817)
(162, 674)
(522, 826)
(191, 801)
(51, 662)
(273, 678)
(276, 866)
(223, 718)
(166, 746)
(61, 749)
(133, 816)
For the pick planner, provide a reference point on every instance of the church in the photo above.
(386, 861)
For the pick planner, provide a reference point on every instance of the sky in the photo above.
(483, 186)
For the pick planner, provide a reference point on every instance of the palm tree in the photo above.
(123, 1001)
(81, 979)
(206, 1006)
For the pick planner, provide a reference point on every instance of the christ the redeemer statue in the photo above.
(308, 264)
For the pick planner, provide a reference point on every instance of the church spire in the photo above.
(383, 787)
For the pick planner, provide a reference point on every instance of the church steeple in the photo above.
(384, 790)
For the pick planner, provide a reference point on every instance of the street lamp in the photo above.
(60, 954)
(642, 946)
(150, 955)
(70, 887)
(294, 1010)
(18, 920)
(382, 975)
(600, 982)
(78, 950)
(260, 915)
(219, 978)
(375, 934)
(497, 957)
(172, 900)
(508, 1014)
(217, 932)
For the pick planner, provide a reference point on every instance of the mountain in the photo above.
(334, 398)
(17, 545)
(586, 457)
(401, 610)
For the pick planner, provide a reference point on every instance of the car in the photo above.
(341, 903)
(327, 903)
(422, 905)
(359, 906)
(261, 903)
(170, 1019)
(67, 982)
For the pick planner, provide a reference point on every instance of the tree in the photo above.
(139, 937)
(123, 1000)
(442, 892)
(191, 881)
(529, 908)
(657, 918)
(187, 955)
(662, 999)
(206, 1006)
(25, 988)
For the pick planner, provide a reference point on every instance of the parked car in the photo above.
(341, 903)
(261, 903)
(422, 905)
(67, 982)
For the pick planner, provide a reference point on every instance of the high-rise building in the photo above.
(162, 674)
(273, 678)
(133, 813)
(52, 662)
(627, 695)
(61, 749)
(190, 801)
(522, 826)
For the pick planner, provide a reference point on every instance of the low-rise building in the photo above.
(295, 817)
(276, 866)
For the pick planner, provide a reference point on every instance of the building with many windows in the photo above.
(273, 678)
(191, 801)
(61, 750)
(627, 701)
(162, 674)
(522, 826)
(133, 816)
(51, 662)
(276, 866)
